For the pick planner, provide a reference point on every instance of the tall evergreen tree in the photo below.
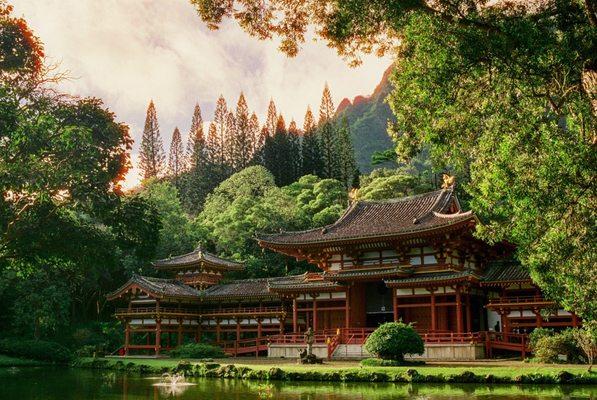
(272, 118)
(243, 135)
(195, 135)
(294, 152)
(310, 150)
(346, 160)
(328, 137)
(255, 134)
(176, 157)
(213, 144)
(152, 157)
(230, 141)
(220, 123)
(263, 140)
(275, 153)
(199, 180)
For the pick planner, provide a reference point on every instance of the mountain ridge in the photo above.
(367, 117)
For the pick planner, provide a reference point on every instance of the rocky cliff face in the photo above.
(368, 118)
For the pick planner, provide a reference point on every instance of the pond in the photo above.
(70, 384)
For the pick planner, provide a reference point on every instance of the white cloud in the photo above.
(128, 52)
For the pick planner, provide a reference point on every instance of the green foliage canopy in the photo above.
(249, 202)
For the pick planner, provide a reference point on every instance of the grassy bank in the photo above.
(351, 372)
(7, 361)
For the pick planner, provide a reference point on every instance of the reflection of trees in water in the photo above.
(231, 389)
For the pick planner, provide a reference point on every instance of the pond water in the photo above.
(70, 384)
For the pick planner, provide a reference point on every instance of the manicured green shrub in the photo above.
(537, 334)
(197, 350)
(393, 340)
(35, 350)
(88, 350)
(548, 348)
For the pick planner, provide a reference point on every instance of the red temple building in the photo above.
(413, 259)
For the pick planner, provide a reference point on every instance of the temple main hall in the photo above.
(413, 259)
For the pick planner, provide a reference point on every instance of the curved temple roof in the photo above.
(198, 257)
(157, 287)
(381, 219)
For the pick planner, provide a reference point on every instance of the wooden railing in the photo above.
(243, 311)
(506, 341)
(298, 338)
(155, 310)
(520, 300)
(244, 346)
(452, 337)
(197, 313)
(355, 335)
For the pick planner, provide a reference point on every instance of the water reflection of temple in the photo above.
(413, 259)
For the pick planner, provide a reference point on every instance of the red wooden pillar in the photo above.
(218, 331)
(505, 323)
(574, 320)
(314, 313)
(347, 310)
(127, 337)
(538, 318)
(433, 312)
(259, 327)
(158, 336)
(469, 314)
(458, 311)
(237, 328)
(281, 326)
(179, 333)
(198, 337)
(395, 301)
(294, 315)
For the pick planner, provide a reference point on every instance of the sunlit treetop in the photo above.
(354, 27)
(21, 52)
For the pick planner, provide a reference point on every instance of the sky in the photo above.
(127, 52)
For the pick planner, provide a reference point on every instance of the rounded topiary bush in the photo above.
(393, 340)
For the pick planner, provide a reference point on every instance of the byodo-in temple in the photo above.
(413, 259)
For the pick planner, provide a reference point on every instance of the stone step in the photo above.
(350, 351)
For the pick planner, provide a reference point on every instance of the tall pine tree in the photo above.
(200, 179)
(220, 122)
(196, 140)
(213, 144)
(152, 157)
(230, 141)
(310, 150)
(272, 118)
(176, 157)
(243, 135)
(294, 152)
(346, 160)
(274, 152)
(255, 134)
(328, 137)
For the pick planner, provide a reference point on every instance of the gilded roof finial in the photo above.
(353, 195)
(449, 181)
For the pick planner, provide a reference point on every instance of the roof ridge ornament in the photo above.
(449, 181)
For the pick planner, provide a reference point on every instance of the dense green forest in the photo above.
(503, 96)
